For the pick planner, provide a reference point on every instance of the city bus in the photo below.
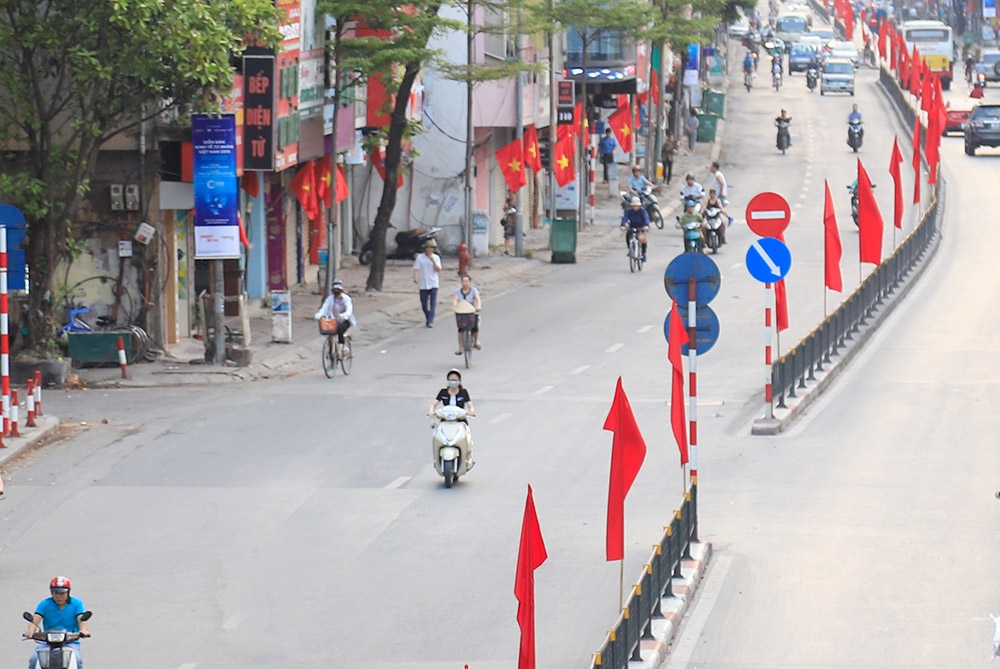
(933, 40)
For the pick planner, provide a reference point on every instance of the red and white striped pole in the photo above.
(30, 401)
(122, 360)
(4, 341)
(14, 414)
(693, 378)
(592, 181)
(38, 393)
(768, 330)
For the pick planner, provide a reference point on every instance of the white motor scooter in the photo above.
(451, 445)
(54, 651)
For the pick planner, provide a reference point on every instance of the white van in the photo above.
(790, 28)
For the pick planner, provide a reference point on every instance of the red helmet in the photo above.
(60, 584)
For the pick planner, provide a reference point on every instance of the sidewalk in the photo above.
(396, 307)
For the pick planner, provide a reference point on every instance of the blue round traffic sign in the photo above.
(768, 260)
(706, 328)
(695, 266)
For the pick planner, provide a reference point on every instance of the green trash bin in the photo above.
(706, 127)
(562, 240)
(715, 102)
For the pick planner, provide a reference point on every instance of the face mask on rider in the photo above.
(453, 383)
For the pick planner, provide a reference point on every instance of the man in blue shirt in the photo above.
(855, 117)
(59, 612)
(638, 182)
(606, 147)
(636, 219)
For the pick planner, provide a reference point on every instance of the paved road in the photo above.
(299, 522)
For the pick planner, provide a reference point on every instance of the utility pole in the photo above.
(219, 295)
(519, 133)
(469, 139)
(552, 122)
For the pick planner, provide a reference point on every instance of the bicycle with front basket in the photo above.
(335, 354)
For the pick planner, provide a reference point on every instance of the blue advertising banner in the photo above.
(216, 189)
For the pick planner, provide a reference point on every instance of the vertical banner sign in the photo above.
(989, 9)
(258, 105)
(565, 102)
(216, 189)
(692, 65)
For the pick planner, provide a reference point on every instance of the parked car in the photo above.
(957, 116)
(839, 49)
(982, 128)
(991, 58)
(740, 27)
(837, 76)
(799, 57)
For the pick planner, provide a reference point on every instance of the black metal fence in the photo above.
(800, 365)
(643, 604)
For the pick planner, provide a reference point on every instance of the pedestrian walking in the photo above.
(667, 157)
(1, 488)
(426, 271)
(607, 149)
(719, 182)
(691, 124)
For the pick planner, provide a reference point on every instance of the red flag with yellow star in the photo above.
(621, 125)
(324, 180)
(511, 161)
(563, 165)
(532, 157)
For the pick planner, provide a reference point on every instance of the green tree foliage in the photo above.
(74, 74)
(396, 55)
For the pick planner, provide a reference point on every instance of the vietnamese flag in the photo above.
(511, 161)
(916, 160)
(532, 156)
(677, 338)
(897, 179)
(304, 188)
(250, 182)
(882, 35)
(936, 120)
(916, 67)
(324, 180)
(927, 89)
(342, 190)
(377, 157)
(530, 556)
(870, 222)
(562, 161)
(832, 250)
(654, 87)
(628, 450)
(620, 125)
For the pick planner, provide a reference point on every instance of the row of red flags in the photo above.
(523, 153)
(312, 185)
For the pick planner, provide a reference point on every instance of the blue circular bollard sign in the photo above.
(706, 329)
(695, 266)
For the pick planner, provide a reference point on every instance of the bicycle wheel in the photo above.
(468, 342)
(329, 358)
(633, 254)
(346, 355)
(638, 261)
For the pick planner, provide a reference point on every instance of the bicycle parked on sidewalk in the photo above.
(335, 354)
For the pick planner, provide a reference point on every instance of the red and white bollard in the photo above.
(14, 414)
(38, 393)
(122, 360)
(30, 397)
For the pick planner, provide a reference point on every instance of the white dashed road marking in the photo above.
(644, 329)
(235, 621)
(581, 369)
(543, 390)
(397, 483)
(501, 417)
(614, 348)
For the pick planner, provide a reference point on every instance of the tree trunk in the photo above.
(393, 153)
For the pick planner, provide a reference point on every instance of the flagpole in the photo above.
(621, 584)
(693, 377)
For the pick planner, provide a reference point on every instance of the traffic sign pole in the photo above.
(768, 301)
(693, 378)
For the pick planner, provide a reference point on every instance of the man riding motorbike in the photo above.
(692, 190)
(59, 612)
(636, 218)
(855, 117)
(782, 121)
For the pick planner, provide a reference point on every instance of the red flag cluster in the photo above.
(312, 185)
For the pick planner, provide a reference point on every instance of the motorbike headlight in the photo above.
(55, 637)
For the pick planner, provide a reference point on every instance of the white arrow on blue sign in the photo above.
(768, 260)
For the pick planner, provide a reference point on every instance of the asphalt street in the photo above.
(299, 522)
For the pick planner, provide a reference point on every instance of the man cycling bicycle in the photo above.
(636, 221)
(338, 306)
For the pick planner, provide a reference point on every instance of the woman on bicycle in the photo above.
(470, 294)
(338, 306)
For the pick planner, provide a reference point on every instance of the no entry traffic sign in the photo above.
(768, 214)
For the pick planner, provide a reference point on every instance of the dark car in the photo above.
(799, 57)
(982, 128)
